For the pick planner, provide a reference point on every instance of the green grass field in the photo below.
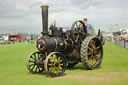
(113, 71)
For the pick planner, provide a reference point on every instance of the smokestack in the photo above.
(44, 20)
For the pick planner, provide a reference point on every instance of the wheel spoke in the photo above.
(54, 56)
(59, 58)
(31, 61)
(97, 47)
(97, 62)
(92, 44)
(93, 61)
(98, 56)
(51, 65)
(60, 68)
(38, 68)
(89, 53)
(60, 61)
(38, 56)
(32, 58)
(33, 67)
(90, 58)
(81, 39)
(90, 49)
(35, 56)
(77, 38)
(53, 70)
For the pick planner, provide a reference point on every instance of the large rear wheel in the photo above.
(91, 53)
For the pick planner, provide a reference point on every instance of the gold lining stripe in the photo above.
(65, 44)
(56, 44)
(72, 44)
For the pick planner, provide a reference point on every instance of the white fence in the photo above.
(122, 43)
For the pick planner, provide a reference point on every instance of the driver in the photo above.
(87, 25)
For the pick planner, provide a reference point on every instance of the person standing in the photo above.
(87, 25)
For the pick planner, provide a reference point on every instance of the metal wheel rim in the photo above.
(30, 63)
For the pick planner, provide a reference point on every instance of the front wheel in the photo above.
(55, 64)
(35, 61)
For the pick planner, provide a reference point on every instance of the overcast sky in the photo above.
(25, 15)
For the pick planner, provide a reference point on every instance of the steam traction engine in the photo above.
(59, 50)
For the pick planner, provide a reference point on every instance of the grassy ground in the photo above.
(114, 69)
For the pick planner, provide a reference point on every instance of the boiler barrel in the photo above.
(49, 44)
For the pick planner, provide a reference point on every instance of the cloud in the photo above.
(25, 15)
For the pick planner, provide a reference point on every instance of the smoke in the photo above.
(29, 4)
